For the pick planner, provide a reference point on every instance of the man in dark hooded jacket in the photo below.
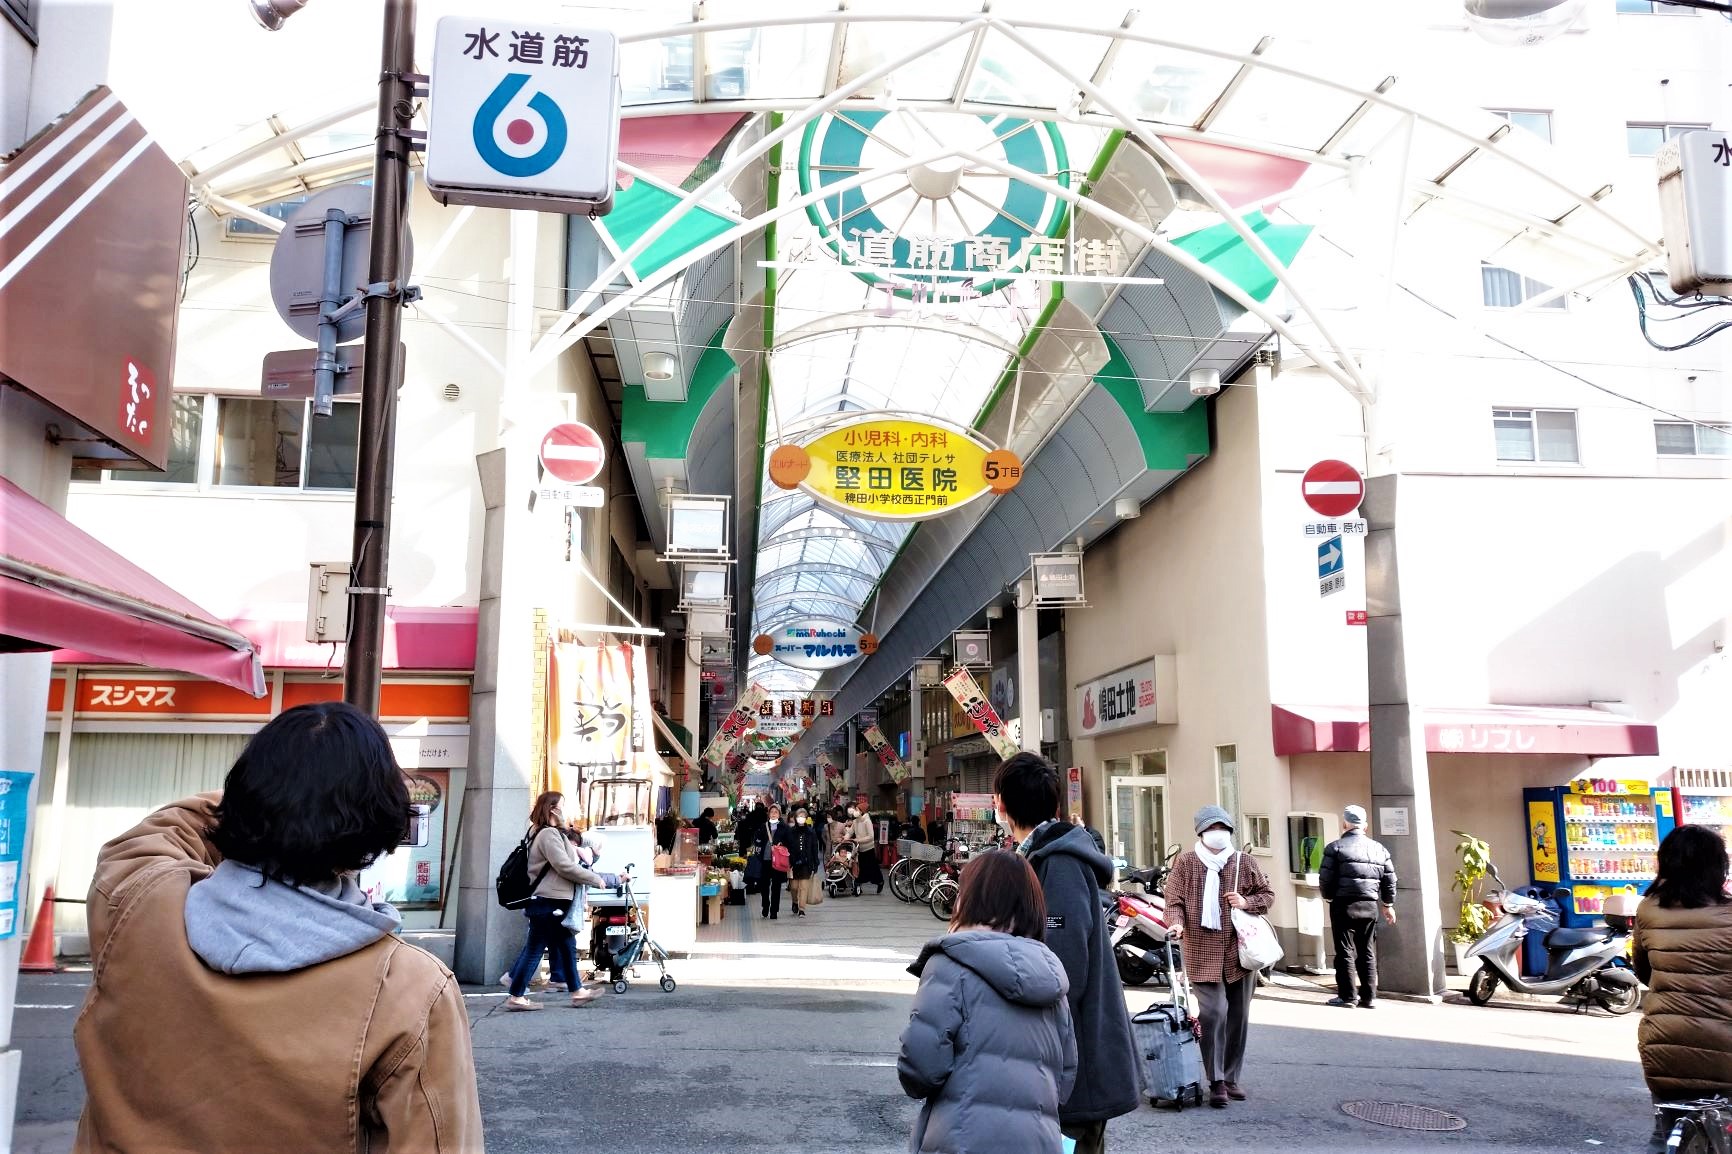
(1072, 873)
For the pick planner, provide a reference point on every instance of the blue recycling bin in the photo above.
(1534, 958)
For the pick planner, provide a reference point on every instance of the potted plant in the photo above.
(1473, 863)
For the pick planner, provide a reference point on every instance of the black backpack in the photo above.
(512, 886)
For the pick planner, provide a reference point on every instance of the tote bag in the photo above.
(1259, 948)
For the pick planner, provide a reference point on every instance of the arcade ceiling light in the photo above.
(272, 13)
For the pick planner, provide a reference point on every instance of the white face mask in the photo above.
(1218, 840)
(801, 819)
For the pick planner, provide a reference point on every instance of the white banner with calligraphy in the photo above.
(973, 702)
(735, 724)
(886, 754)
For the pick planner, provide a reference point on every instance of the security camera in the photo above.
(1205, 382)
(1521, 23)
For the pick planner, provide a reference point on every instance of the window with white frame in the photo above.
(1646, 139)
(1537, 435)
(223, 442)
(1534, 121)
(1505, 288)
(1227, 785)
(1691, 439)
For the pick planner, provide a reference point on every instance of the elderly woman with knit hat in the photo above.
(1210, 879)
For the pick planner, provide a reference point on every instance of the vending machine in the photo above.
(1704, 797)
(1594, 838)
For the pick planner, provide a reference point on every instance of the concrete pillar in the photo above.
(1410, 953)
(916, 742)
(1028, 666)
(692, 715)
(501, 770)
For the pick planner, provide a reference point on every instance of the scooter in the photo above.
(1588, 966)
(1137, 928)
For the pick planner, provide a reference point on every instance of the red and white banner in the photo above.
(736, 723)
(886, 754)
(967, 692)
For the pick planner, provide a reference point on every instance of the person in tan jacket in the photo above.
(245, 994)
(1682, 949)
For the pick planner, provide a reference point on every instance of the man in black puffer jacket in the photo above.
(1357, 876)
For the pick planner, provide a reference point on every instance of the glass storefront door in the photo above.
(1139, 819)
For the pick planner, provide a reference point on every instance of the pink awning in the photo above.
(62, 588)
(425, 639)
(1572, 729)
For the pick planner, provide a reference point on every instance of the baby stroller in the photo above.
(839, 877)
(619, 940)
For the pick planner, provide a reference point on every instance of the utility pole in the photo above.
(383, 369)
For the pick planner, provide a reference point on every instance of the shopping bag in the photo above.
(1259, 948)
(814, 891)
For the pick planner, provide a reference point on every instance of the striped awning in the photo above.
(93, 220)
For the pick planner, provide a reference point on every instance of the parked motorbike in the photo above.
(1700, 1127)
(1587, 966)
(1137, 928)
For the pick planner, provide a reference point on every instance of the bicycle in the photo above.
(1700, 1127)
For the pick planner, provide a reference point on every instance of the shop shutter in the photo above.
(118, 779)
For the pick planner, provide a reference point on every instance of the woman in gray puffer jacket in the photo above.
(989, 1046)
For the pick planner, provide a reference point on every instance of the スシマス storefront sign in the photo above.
(1139, 694)
(894, 468)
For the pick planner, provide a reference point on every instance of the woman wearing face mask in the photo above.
(865, 849)
(766, 840)
(1207, 881)
(801, 841)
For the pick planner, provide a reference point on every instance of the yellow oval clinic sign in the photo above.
(895, 469)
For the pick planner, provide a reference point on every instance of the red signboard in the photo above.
(573, 453)
(1333, 488)
(1356, 617)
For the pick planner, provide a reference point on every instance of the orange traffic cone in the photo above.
(39, 950)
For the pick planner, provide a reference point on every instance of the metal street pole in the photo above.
(383, 369)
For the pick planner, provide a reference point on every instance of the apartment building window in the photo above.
(22, 13)
(1504, 288)
(1538, 123)
(254, 443)
(1539, 435)
(1646, 139)
(1684, 439)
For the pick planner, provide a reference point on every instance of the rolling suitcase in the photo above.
(1166, 1040)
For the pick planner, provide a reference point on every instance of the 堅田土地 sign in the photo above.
(894, 468)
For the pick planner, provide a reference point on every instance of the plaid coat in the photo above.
(1213, 955)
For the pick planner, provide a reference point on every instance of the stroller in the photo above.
(619, 940)
(839, 876)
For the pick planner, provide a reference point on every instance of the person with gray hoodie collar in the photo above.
(989, 1048)
(1072, 873)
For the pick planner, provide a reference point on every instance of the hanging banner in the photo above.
(886, 754)
(828, 768)
(967, 692)
(735, 724)
(892, 468)
(600, 707)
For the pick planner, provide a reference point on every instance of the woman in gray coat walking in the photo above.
(989, 1047)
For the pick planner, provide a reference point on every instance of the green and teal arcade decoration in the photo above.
(937, 231)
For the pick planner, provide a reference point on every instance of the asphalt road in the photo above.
(785, 1039)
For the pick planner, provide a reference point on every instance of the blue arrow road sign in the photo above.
(1329, 557)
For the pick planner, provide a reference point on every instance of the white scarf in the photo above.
(1212, 888)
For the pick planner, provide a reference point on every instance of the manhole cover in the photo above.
(1403, 1116)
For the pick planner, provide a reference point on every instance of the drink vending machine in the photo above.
(1596, 837)
(1704, 797)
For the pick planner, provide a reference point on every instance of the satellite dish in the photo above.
(1522, 23)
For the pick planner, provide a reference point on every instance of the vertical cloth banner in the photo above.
(973, 702)
(735, 724)
(886, 753)
(599, 710)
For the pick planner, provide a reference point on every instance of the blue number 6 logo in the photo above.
(520, 131)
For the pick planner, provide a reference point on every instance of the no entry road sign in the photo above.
(1333, 488)
(573, 453)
